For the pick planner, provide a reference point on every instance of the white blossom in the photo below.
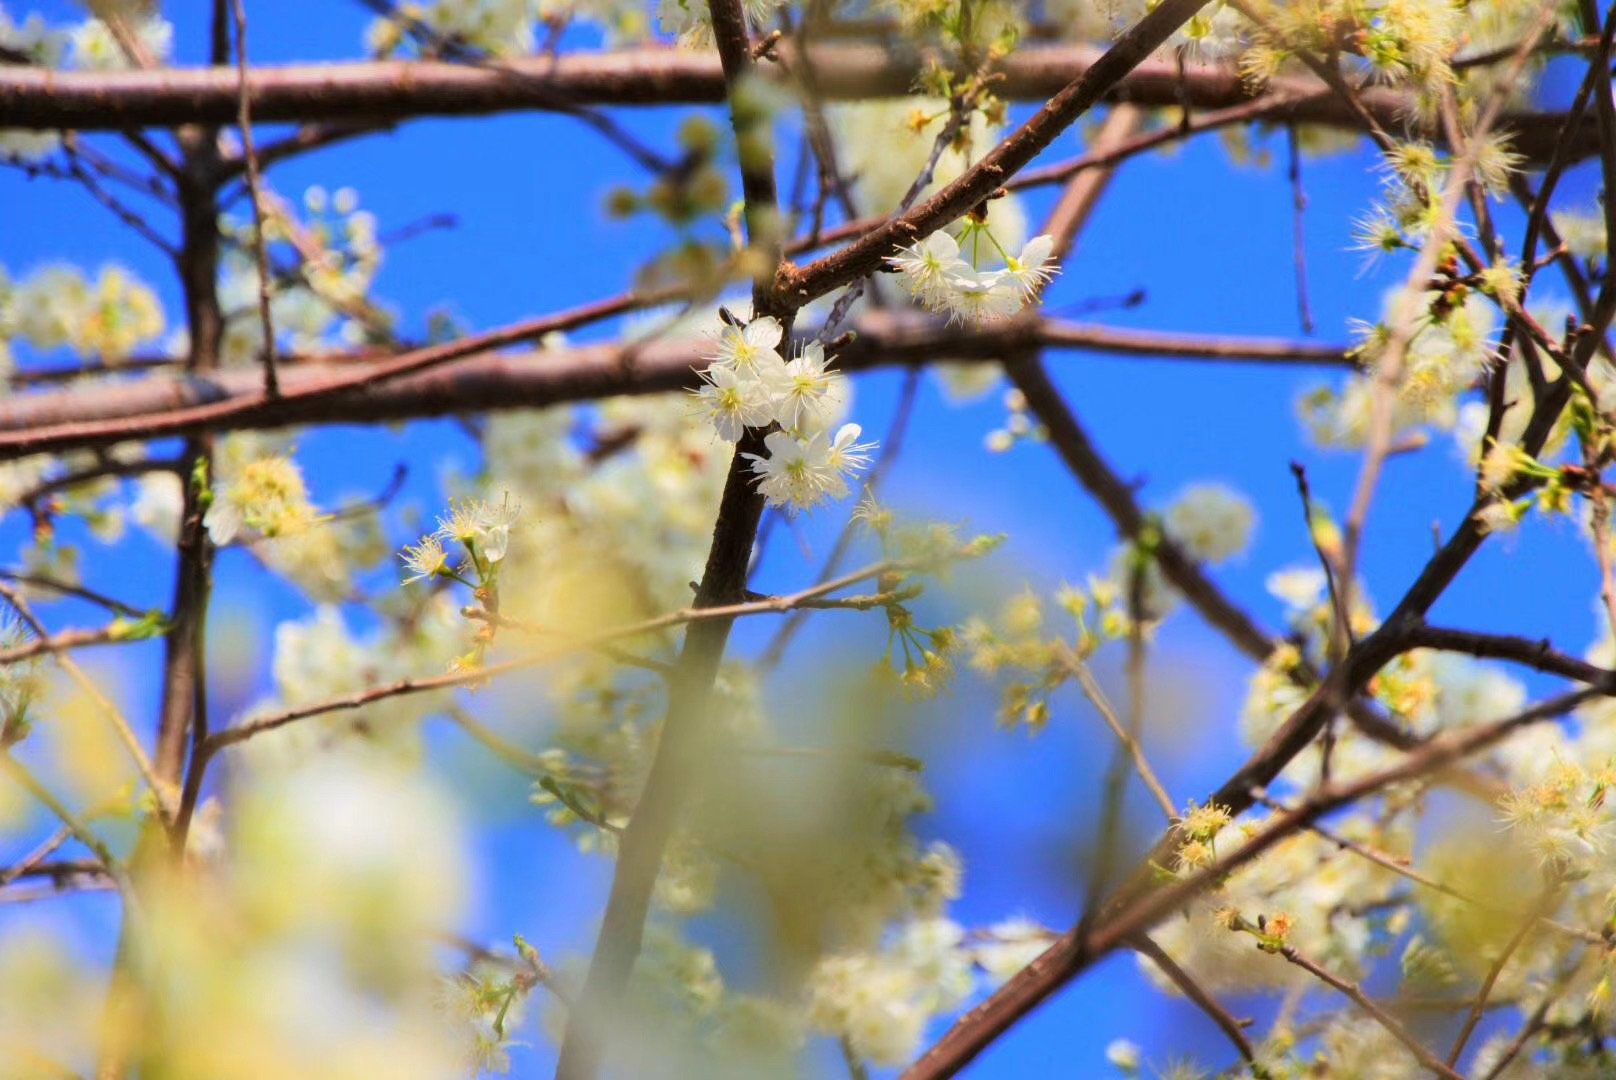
(425, 559)
(734, 401)
(1299, 588)
(94, 48)
(1123, 1054)
(799, 474)
(1031, 269)
(1213, 522)
(809, 392)
(926, 266)
(743, 348)
(936, 274)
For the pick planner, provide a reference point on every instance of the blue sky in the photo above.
(1210, 244)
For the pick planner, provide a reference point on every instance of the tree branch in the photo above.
(683, 738)
(379, 93)
(1138, 908)
(405, 387)
(1198, 994)
(1017, 150)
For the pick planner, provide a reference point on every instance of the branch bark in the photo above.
(467, 377)
(385, 92)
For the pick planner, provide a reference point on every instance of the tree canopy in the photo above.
(695, 601)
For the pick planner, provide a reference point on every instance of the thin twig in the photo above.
(63, 642)
(255, 193)
(67, 588)
(1298, 235)
(698, 615)
(49, 847)
(1376, 1013)
(1551, 894)
(1091, 690)
(25, 779)
(1198, 994)
(103, 704)
(1403, 869)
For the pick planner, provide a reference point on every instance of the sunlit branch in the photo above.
(1538, 654)
(468, 377)
(378, 93)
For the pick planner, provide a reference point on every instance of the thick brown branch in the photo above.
(355, 391)
(382, 92)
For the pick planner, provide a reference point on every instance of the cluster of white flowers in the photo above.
(1581, 231)
(33, 37)
(89, 45)
(307, 951)
(498, 27)
(1565, 818)
(690, 22)
(1305, 878)
(482, 528)
(260, 498)
(748, 384)
(58, 306)
(942, 280)
(1212, 522)
(335, 246)
(1440, 364)
(882, 1001)
(266, 495)
(93, 46)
